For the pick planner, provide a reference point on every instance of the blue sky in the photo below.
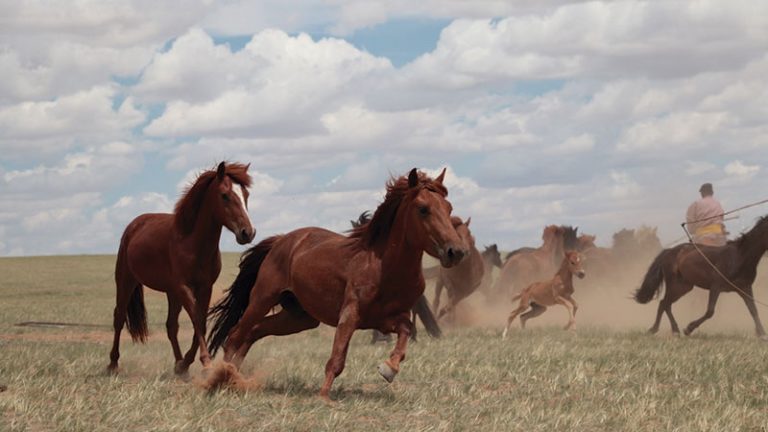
(602, 114)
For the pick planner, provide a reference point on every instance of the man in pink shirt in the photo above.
(705, 219)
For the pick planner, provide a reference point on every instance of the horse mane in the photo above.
(570, 237)
(744, 240)
(188, 206)
(363, 219)
(380, 224)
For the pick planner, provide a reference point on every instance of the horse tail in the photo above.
(653, 279)
(431, 272)
(137, 316)
(136, 312)
(425, 314)
(228, 311)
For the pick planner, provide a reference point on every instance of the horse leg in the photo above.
(571, 320)
(573, 303)
(236, 345)
(389, 368)
(283, 323)
(674, 290)
(659, 312)
(126, 285)
(536, 310)
(749, 300)
(438, 292)
(348, 320)
(197, 311)
(714, 293)
(172, 328)
(522, 307)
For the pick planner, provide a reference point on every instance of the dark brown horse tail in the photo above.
(137, 316)
(653, 279)
(427, 318)
(431, 272)
(228, 311)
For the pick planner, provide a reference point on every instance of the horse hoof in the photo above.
(763, 338)
(687, 332)
(653, 330)
(112, 369)
(181, 368)
(386, 371)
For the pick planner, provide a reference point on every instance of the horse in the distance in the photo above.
(179, 254)
(558, 290)
(682, 267)
(464, 279)
(420, 309)
(369, 279)
(527, 265)
(630, 248)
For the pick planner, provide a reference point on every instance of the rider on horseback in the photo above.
(705, 219)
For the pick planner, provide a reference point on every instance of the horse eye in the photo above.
(225, 197)
(423, 210)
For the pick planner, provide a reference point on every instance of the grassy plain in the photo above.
(607, 375)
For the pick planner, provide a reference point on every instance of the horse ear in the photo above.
(469, 219)
(413, 178)
(221, 170)
(440, 178)
(248, 165)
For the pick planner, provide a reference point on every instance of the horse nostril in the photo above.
(244, 234)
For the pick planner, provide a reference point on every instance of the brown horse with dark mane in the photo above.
(367, 280)
(683, 267)
(558, 290)
(420, 309)
(527, 265)
(179, 254)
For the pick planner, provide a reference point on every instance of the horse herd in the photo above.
(372, 277)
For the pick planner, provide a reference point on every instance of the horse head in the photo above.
(574, 261)
(230, 208)
(427, 214)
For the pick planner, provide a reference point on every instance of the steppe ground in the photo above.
(607, 375)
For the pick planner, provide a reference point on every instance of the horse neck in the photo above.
(751, 249)
(565, 274)
(206, 233)
(397, 256)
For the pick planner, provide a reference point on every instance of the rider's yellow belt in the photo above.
(710, 229)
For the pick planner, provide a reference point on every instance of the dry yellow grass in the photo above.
(597, 378)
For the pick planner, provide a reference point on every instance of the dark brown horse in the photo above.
(527, 265)
(179, 254)
(367, 280)
(462, 280)
(683, 267)
(420, 309)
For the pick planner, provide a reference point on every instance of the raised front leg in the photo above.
(347, 325)
(389, 368)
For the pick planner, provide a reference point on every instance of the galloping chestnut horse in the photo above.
(179, 254)
(683, 267)
(367, 280)
(462, 280)
(420, 309)
(527, 265)
(558, 290)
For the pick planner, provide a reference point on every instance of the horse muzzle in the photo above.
(581, 274)
(451, 256)
(245, 235)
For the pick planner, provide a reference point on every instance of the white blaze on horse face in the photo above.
(238, 190)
